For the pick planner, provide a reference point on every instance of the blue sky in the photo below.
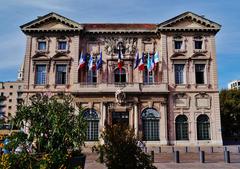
(14, 13)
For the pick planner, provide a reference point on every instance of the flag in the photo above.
(99, 62)
(141, 64)
(156, 57)
(152, 63)
(120, 62)
(82, 61)
(90, 63)
(136, 60)
(149, 63)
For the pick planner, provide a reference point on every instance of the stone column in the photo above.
(136, 119)
(104, 112)
(163, 123)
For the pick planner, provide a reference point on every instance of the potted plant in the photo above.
(56, 132)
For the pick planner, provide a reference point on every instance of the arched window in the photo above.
(92, 120)
(120, 76)
(181, 127)
(203, 127)
(148, 76)
(150, 123)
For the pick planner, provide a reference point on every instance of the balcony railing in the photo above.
(126, 87)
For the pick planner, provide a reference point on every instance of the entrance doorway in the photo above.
(120, 118)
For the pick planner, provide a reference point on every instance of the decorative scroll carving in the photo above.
(181, 100)
(128, 45)
(203, 101)
(120, 96)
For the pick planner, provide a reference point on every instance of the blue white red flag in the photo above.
(149, 63)
(141, 64)
(120, 62)
(136, 60)
(99, 61)
(82, 61)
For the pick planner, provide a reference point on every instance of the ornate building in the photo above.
(176, 103)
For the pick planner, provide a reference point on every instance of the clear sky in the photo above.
(14, 13)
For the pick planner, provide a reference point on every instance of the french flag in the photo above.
(91, 64)
(120, 62)
(99, 61)
(136, 60)
(82, 61)
(141, 64)
(153, 64)
(156, 59)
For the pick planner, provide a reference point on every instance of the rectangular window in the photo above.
(40, 74)
(62, 45)
(179, 73)
(42, 45)
(199, 73)
(148, 77)
(178, 44)
(61, 74)
(198, 44)
(91, 76)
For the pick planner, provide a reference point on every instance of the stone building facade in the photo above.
(177, 103)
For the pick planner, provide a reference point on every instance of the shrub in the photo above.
(120, 150)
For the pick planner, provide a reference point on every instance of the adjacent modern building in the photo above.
(235, 84)
(10, 96)
(175, 103)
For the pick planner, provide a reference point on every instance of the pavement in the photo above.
(188, 160)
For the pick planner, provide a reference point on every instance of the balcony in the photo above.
(126, 87)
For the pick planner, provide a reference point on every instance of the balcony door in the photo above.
(120, 118)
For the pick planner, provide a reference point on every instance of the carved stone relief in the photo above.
(128, 45)
(203, 101)
(120, 97)
(181, 100)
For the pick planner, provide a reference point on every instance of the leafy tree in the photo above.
(120, 150)
(230, 112)
(53, 128)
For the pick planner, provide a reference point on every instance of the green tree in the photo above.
(53, 127)
(230, 112)
(120, 150)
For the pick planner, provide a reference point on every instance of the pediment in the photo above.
(40, 56)
(61, 56)
(189, 20)
(200, 56)
(51, 22)
(179, 56)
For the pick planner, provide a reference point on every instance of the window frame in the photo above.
(150, 124)
(44, 82)
(66, 74)
(120, 74)
(90, 75)
(60, 40)
(92, 119)
(45, 40)
(183, 74)
(203, 126)
(203, 73)
(184, 125)
(197, 39)
(146, 80)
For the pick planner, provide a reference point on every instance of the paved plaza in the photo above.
(189, 160)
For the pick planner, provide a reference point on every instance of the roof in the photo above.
(66, 24)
